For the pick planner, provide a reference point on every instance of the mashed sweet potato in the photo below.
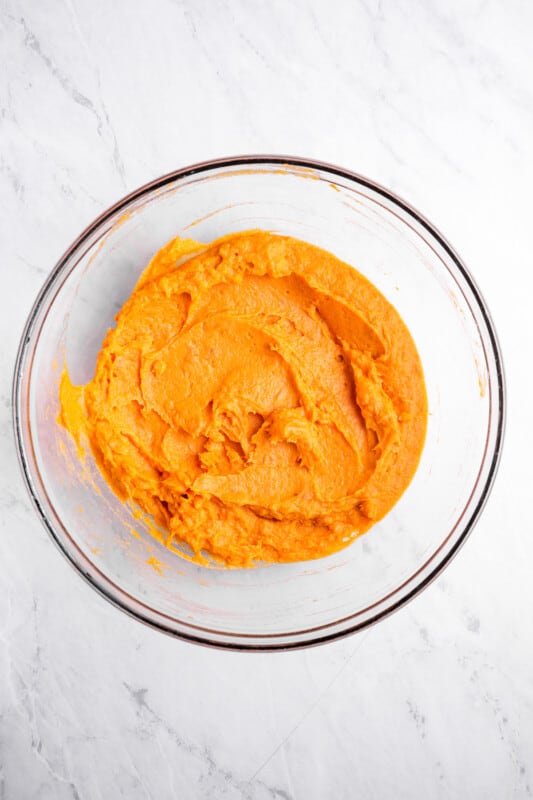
(260, 398)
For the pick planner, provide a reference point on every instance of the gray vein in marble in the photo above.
(189, 19)
(31, 41)
(145, 713)
(237, 86)
(489, 65)
(286, 763)
(340, 68)
(418, 718)
(24, 696)
(247, 41)
(33, 267)
(506, 735)
(426, 645)
(510, 738)
(138, 776)
(359, 643)
(63, 170)
(472, 623)
(377, 19)
(6, 108)
(13, 178)
(489, 121)
(102, 118)
(381, 137)
(11, 501)
(438, 150)
(117, 160)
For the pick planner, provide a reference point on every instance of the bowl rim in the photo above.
(260, 642)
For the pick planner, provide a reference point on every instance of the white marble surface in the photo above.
(432, 99)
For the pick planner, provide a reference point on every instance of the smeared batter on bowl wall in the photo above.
(260, 398)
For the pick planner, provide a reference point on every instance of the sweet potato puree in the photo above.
(261, 399)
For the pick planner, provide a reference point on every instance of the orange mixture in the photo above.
(260, 398)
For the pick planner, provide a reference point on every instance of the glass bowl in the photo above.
(278, 606)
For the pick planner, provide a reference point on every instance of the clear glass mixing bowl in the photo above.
(281, 606)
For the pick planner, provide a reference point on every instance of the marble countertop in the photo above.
(433, 100)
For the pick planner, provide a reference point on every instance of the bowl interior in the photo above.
(279, 605)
